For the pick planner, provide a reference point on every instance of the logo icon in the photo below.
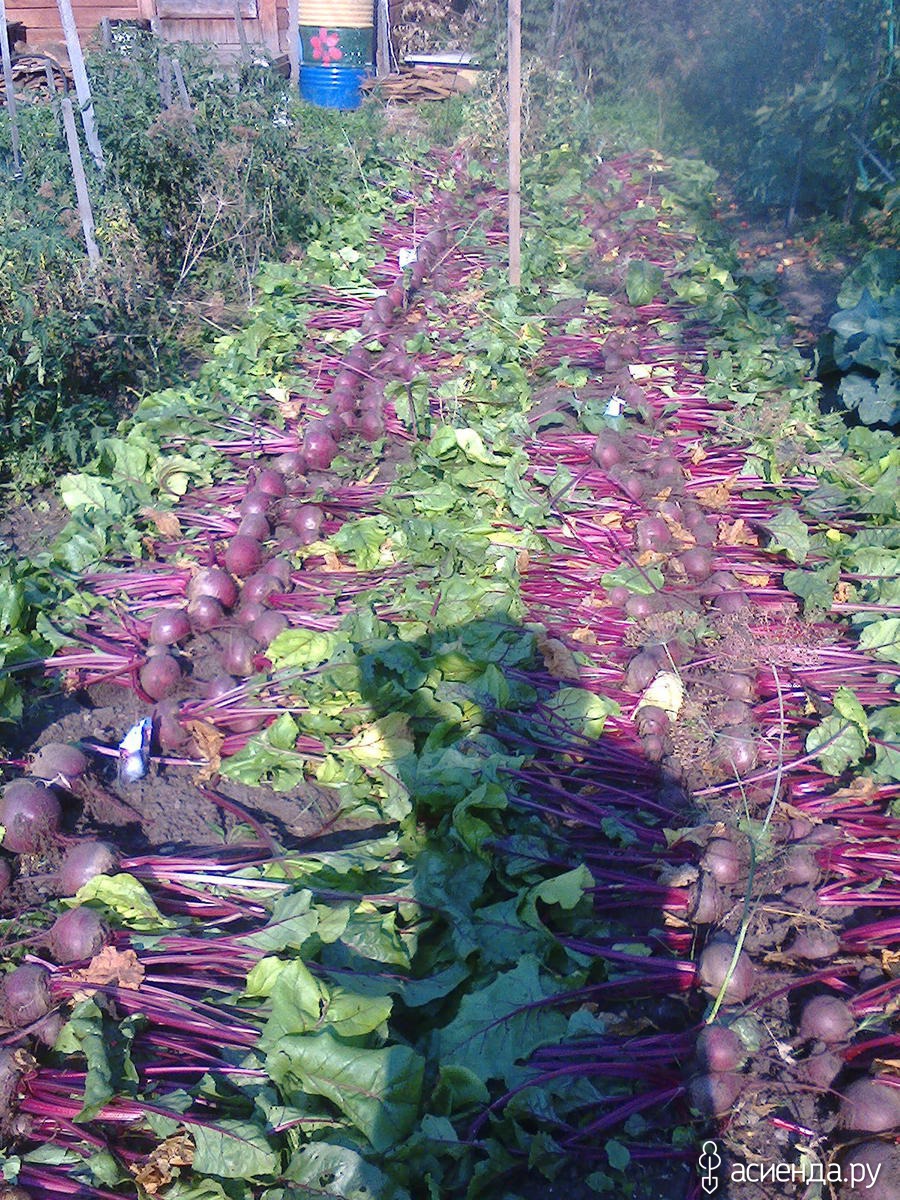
(709, 1162)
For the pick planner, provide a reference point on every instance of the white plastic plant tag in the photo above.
(134, 751)
(406, 257)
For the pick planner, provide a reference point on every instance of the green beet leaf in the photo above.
(499, 1026)
(233, 1149)
(379, 1091)
(292, 922)
(789, 533)
(837, 743)
(882, 639)
(322, 1170)
(642, 282)
(126, 901)
(885, 724)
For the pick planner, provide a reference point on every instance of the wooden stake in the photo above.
(81, 187)
(10, 98)
(82, 87)
(382, 39)
(514, 58)
(181, 85)
(294, 42)
(164, 73)
(242, 36)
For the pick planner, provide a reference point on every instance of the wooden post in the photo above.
(81, 187)
(382, 38)
(294, 42)
(181, 85)
(79, 74)
(106, 33)
(10, 97)
(514, 58)
(164, 73)
(242, 36)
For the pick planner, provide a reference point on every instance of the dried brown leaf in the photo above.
(166, 522)
(717, 495)
(161, 1164)
(736, 533)
(584, 635)
(842, 592)
(119, 967)
(558, 658)
(208, 742)
(648, 558)
(679, 532)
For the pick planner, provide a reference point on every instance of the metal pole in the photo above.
(514, 59)
(81, 187)
(82, 87)
(10, 97)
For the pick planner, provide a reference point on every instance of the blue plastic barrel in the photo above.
(332, 87)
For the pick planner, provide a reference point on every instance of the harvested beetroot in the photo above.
(735, 748)
(206, 613)
(259, 587)
(84, 861)
(641, 671)
(816, 945)
(822, 1069)
(270, 482)
(25, 995)
(240, 648)
(170, 626)
(256, 501)
(79, 933)
(58, 760)
(266, 628)
(871, 1166)
(709, 902)
(724, 861)
(213, 581)
(243, 555)
(160, 676)
(869, 1106)
(652, 533)
(716, 972)
(30, 815)
(827, 1019)
(719, 1049)
(714, 1095)
(170, 734)
(256, 526)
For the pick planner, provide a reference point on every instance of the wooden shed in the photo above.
(211, 22)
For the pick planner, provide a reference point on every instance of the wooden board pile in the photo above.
(411, 85)
(36, 76)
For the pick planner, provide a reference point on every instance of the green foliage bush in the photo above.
(189, 205)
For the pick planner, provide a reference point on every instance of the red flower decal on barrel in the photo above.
(326, 46)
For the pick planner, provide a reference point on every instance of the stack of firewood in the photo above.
(411, 85)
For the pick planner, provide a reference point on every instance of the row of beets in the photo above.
(775, 890)
(244, 591)
(232, 596)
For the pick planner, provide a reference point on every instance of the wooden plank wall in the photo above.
(204, 21)
(41, 20)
